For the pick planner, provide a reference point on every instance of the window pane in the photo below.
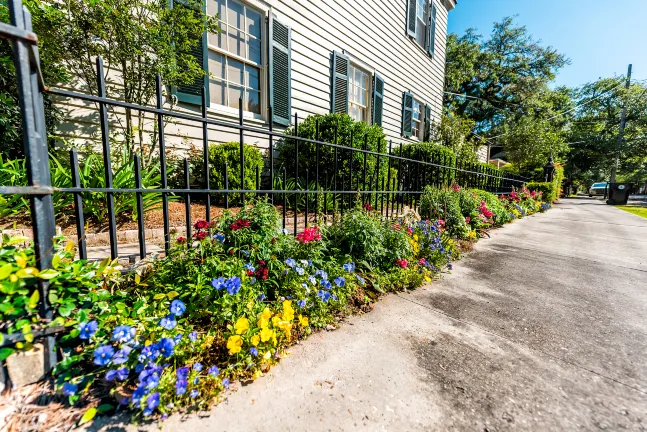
(236, 42)
(217, 7)
(216, 65)
(421, 33)
(254, 50)
(235, 14)
(234, 71)
(220, 39)
(253, 102)
(235, 93)
(252, 78)
(253, 23)
(217, 92)
(355, 112)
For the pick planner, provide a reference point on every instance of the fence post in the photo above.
(34, 134)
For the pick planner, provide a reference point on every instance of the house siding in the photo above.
(370, 31)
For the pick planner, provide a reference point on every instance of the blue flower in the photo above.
(122, 374)
(219, 283)
(88, 329)
(193, 336)
(197, 367)
(178, 337)
(361, 280)
(323, 295)
(220, 238)
(340, 282)
(123, 334)
(349, 267)
(177, 307)
(138, 394)
(180, 386)
(285, 231)
(299, 271)
(233, 285)
(250, 267)
(322, 273)
(140, 367)
(252, 281)
(70, 389)
(312, 280)
(253, 351)
(166, 346)
(103, 354)
(152, 402)
(244, 252)
(150, 352)
(111, 375)
(151, 381)
(194, 394)
(196, 381)
(168, 322)
(305, 285)
(306, 263)
(225, 383)
(302, 303)
(182, 372)
(327, 285)
(290, 262)
(121, 356)
(214, 371)
(261, 297)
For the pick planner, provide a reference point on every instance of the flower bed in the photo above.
(175, 333)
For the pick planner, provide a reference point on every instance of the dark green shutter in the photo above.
(431, 38)
(280, 70)
(427, 131)
(192, 93)
(407, 113)
(339, 83)
(378, 99)
(411, 18)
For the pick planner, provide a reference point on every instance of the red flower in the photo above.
(308, 235)
(396, 226)
(455, 187)
(410, 230)
(367, 207)
(240, 223)
(484, 210)
(402, 263)
(261, 273)
(181, 240)
(533, 194)
(250, 273)
(468, 219)
(441, 223)
(201, 224)
(200, 235)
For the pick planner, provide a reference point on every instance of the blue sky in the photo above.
(601, 37)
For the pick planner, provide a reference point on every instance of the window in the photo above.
(416, 120)
(235, 56)
(421, 21)
(358, 94)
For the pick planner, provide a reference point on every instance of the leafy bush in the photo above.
(373, 136)
(426, 152)
(229, 153)
(443, 204)
(547, 189)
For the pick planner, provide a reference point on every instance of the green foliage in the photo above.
(443, 204)
(456, 133)
(427, 152)
(44, 17)
(548, 190)
(229, 153)
(334, 128)
(495, 205)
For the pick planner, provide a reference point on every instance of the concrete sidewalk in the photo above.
(543, 327)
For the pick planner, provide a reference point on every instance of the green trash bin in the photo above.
(619, 193)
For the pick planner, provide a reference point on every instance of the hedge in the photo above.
(548, 189)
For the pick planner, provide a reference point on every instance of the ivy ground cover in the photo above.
(224, 305)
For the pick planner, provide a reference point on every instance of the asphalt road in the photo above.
(543, 327)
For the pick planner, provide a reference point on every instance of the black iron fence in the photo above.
(325, 191)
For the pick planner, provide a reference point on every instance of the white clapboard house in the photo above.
(380, 61)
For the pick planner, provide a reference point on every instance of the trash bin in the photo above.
(619, 193)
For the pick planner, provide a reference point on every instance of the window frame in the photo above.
(421, 120)
(368, 118)
(262, 66)
(425, 24)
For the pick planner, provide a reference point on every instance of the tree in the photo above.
(455, 132)
(44, 17)
(496, 76)
(137, 39)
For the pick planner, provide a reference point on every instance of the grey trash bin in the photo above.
(619, 193)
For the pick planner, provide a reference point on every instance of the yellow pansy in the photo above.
(275, 320)
(234, 343)
(303, 321)
(255, 340)
(427, 278)
(257, 374)
(264, 319)
(266, 334)
(242, 325)
(415, 237)
(208, 341)
(285, 326)
(267, 355)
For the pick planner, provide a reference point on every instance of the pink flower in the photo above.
(485, 211)
(441, 223)
(402, 263)
(468, 219)
(422, 261)
(410, 230)
(308, 235)
(396, 226)
(456, 187)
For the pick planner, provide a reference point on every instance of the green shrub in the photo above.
(494, 204)
(427, 152)
(444, 204)
(345, 126)
(229, 153)
(548, 190)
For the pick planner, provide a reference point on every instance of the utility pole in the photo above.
(621, 133)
